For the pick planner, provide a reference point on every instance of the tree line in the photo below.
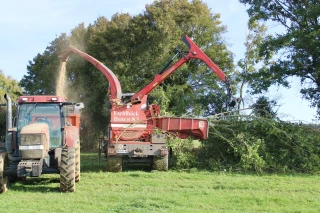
(135, 48)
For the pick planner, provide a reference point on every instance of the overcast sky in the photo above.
(27, 28)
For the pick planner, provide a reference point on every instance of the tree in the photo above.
(200, 92)
(10, 86)
(264, 107)
(252, 62)
(298, 47)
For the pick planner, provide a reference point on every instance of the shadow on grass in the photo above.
(90, 163)
(42, 184)
(137, 167)
(51, 183)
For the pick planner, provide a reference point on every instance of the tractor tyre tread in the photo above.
(67, 170)
(3, 179)
(77, 175)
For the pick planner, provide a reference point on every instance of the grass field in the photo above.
(173, 191)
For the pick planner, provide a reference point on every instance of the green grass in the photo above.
(143, 191)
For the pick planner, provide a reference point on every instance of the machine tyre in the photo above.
(67, 170)
(114, 164)
(77, 175)
(160, 163)
(3, 179)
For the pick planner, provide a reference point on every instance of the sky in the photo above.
(28, 27)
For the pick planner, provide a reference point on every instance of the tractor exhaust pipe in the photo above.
(8, 123)
(9, 133)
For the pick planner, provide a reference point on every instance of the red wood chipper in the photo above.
(137, 131)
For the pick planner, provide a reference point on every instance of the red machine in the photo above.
(137, 131)
(42, 139)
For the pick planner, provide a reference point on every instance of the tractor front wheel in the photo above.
(77, 149)
(114, 163)
(67, 170)
(3, 178)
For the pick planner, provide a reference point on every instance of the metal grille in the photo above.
(129, 134)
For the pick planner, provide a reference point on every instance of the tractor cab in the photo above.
(40, 124)
(47, 113)
(53, 111)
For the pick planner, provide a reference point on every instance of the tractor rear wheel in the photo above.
(67, 170)
(77, 150)
(160, 163)
(3, 179)
(114, 163)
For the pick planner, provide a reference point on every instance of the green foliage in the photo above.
(10, 86)
(260, 144)
(184, 153)
(263, 107)
(252, 62)
(298, 47)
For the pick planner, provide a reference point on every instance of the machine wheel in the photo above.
(67, 170)
(3, 179)
(77, 175)
(160, 163)
(114, 164)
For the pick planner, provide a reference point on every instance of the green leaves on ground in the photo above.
(261, 144)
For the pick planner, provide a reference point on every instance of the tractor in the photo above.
(42, 139)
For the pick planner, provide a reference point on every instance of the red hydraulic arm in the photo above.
(114, 84)
(194, 52)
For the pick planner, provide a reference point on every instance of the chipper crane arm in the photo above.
(114, 84)
(194, 52)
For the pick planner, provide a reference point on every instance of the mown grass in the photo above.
(173, 191)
